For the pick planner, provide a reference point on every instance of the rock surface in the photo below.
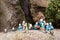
(41, 3)
(38, 6)
(13, 12)
(9, 15)
(30, 35)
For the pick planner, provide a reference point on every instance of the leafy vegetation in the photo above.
(53, 11)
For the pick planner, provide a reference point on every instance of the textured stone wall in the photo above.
(37, 8)
(10, 16)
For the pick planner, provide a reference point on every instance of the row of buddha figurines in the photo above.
(42, 25)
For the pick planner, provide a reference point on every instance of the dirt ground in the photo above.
(30, 35)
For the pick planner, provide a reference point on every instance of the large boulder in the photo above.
(30, 35)
(12, 14)
(9, 16)
(37, 8)
(41, 3)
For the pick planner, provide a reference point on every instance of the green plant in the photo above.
(53, 11)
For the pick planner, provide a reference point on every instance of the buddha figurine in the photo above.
(5, 30)
(51, 26)
(23, 23)
(13, 29)
(36, 26)
(42, 24)
(20, 27)
(30, 26)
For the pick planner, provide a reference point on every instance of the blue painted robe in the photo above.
(20, 28)
(41, 24)
(49, 27)
(35, 27)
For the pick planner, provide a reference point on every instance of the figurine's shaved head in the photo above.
(47, 23)
(19, 24)
(41, 19)
(36, 23)
(44, 21)
(23, 21)
(5, 30)
(50, 23)
(30, 25)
